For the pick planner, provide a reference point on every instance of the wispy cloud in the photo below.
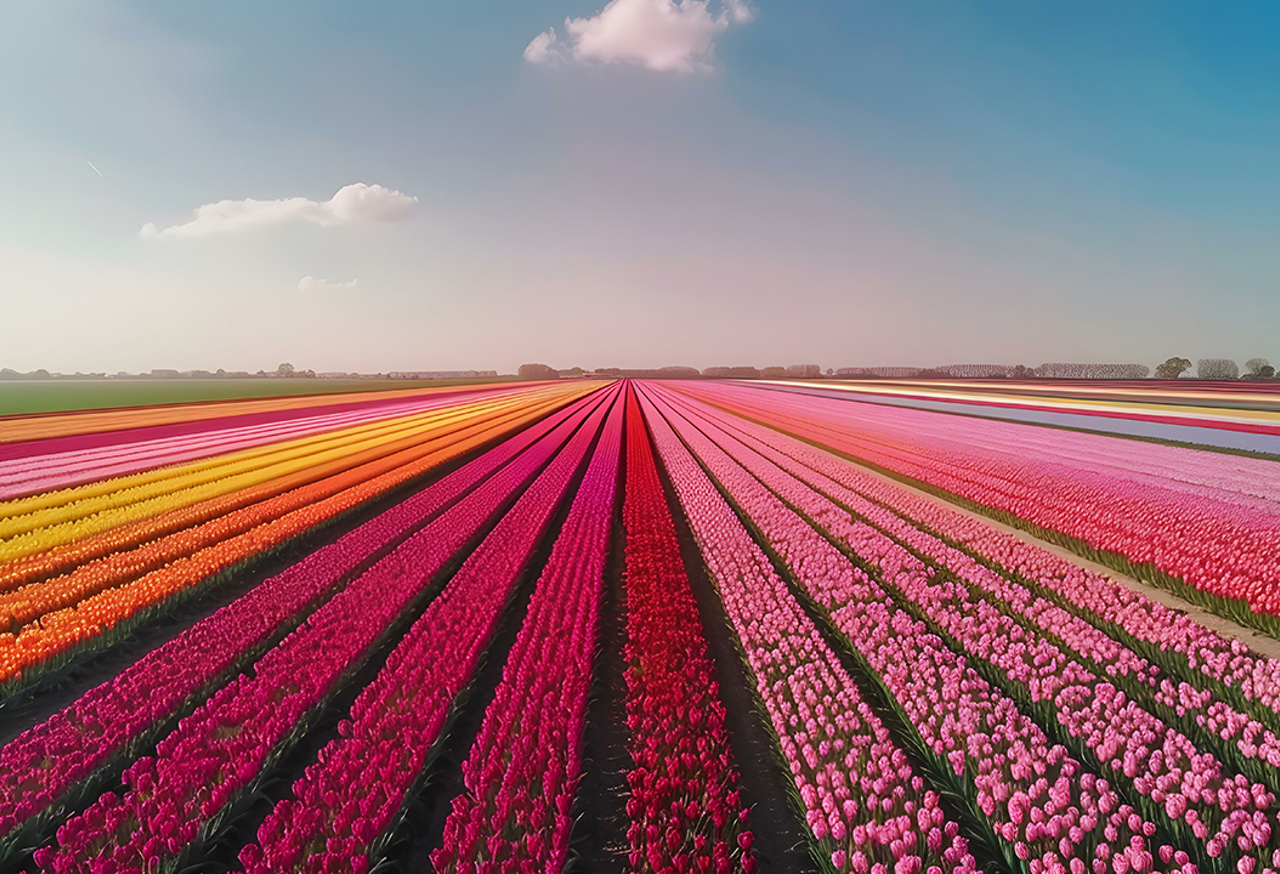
(352, 204)
(664, 35)
(310, 283)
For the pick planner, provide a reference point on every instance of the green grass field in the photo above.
(49, 396)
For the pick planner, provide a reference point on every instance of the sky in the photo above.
(464, 184)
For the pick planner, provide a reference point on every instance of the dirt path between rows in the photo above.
(1256, 640)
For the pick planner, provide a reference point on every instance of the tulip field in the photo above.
(631, 626)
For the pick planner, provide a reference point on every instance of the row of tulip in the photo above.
(239, 512)
(1232, 734)
(684, 808)
(1042, 804)
(1174, 516)
(521, 775)
(68, 557)
(338, 815)
(1216, 406)
(867, 809)
(203, 556)
(1136, 747)
(57, 432)
(100, 506)
(1183, 780)
(1051, 659)
(187, 791)
(55, 760)
(1183, 646)
(47, 471)
(54, 507)
(1228, 728)
(1209, 471)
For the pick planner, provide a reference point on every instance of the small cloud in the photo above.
(310, 283)
(352, 204)
(663, 35)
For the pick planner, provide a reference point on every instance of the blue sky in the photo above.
(847, 183)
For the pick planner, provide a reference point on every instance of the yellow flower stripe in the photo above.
(32, 503)
(184, 485)
(25, 514)
(25, 604)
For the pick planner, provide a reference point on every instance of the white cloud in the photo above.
(352, 204)
(310, 283)
(664, 35)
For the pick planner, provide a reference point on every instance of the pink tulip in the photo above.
(545, 683)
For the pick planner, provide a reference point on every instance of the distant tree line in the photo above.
(1054, 370)
(441, 374)
(284, 371)
(1217, 368)
(793, 371)
(1173, 368)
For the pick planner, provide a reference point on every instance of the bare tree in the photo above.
(1217, 368)
(804, 371)
(1259, 368)
(740, 372)
(1093, 371)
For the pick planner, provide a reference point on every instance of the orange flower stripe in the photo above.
(28, 603)
(93, 606)
(33, 568)
(44, 521)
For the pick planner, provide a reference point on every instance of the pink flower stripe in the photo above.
(1206, 519)
(44, 763)
(174, 798)
(1221, 808)
(1230, 731)
(522, 772)
(868, 811)
(348, 799)
(1162, 764)
(1222, 477)
(1039, 800)
(684, 808)
(1195, 652)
